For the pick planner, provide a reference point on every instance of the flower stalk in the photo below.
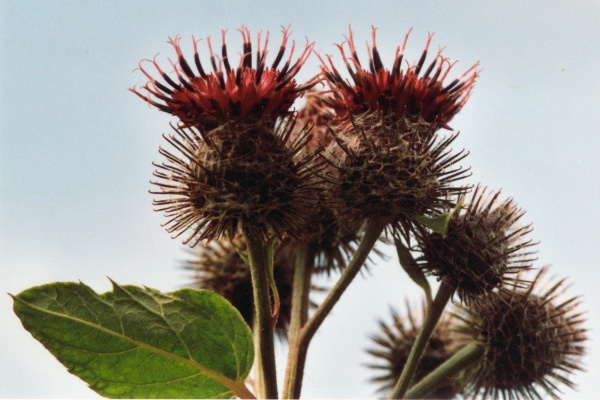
(466, 357)
(434, 313)
(373, 231)
(299, 315)
(266, 375)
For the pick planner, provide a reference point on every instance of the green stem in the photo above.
(299, 314)
(264, 344)
(434, 312)
(467, 356)
(373, 230)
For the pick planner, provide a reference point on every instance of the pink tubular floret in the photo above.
(206, 99)
(286, 35)
(414, 91)
(175, 43)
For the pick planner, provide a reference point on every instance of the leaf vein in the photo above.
(227, 382)
(164, 318)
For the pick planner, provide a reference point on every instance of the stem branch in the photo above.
(263, 327)
(299, 314)
(434, 312)
(466, 356)
(373, 230)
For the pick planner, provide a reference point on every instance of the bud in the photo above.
(330, 238)
(393, 345)
(532, 341)
(257, 177)
(484, 247)
(382, 170)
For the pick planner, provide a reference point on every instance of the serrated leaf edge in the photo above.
(239, 389)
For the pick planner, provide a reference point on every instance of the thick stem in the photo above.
(373, 230)
(434, 312)
(263, 328)
(467, 356)
(299, 314)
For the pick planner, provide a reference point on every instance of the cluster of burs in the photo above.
(325, 169)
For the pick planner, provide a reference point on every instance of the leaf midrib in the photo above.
(237, 388)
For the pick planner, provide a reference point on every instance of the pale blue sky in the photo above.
(76, 150)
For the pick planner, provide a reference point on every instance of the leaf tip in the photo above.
(115, 285)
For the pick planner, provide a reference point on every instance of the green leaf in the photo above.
(411, 267)
(270, 249)
(137, 342)
(439, 224)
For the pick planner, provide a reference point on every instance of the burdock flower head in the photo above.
(413, 93)
(330, 238)
(532, 340)
(263, 182)
(398, 179)
(236, 159)
(393, 345)
(317, 114)
(246, 92)
(389, 161)
(483, 248)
